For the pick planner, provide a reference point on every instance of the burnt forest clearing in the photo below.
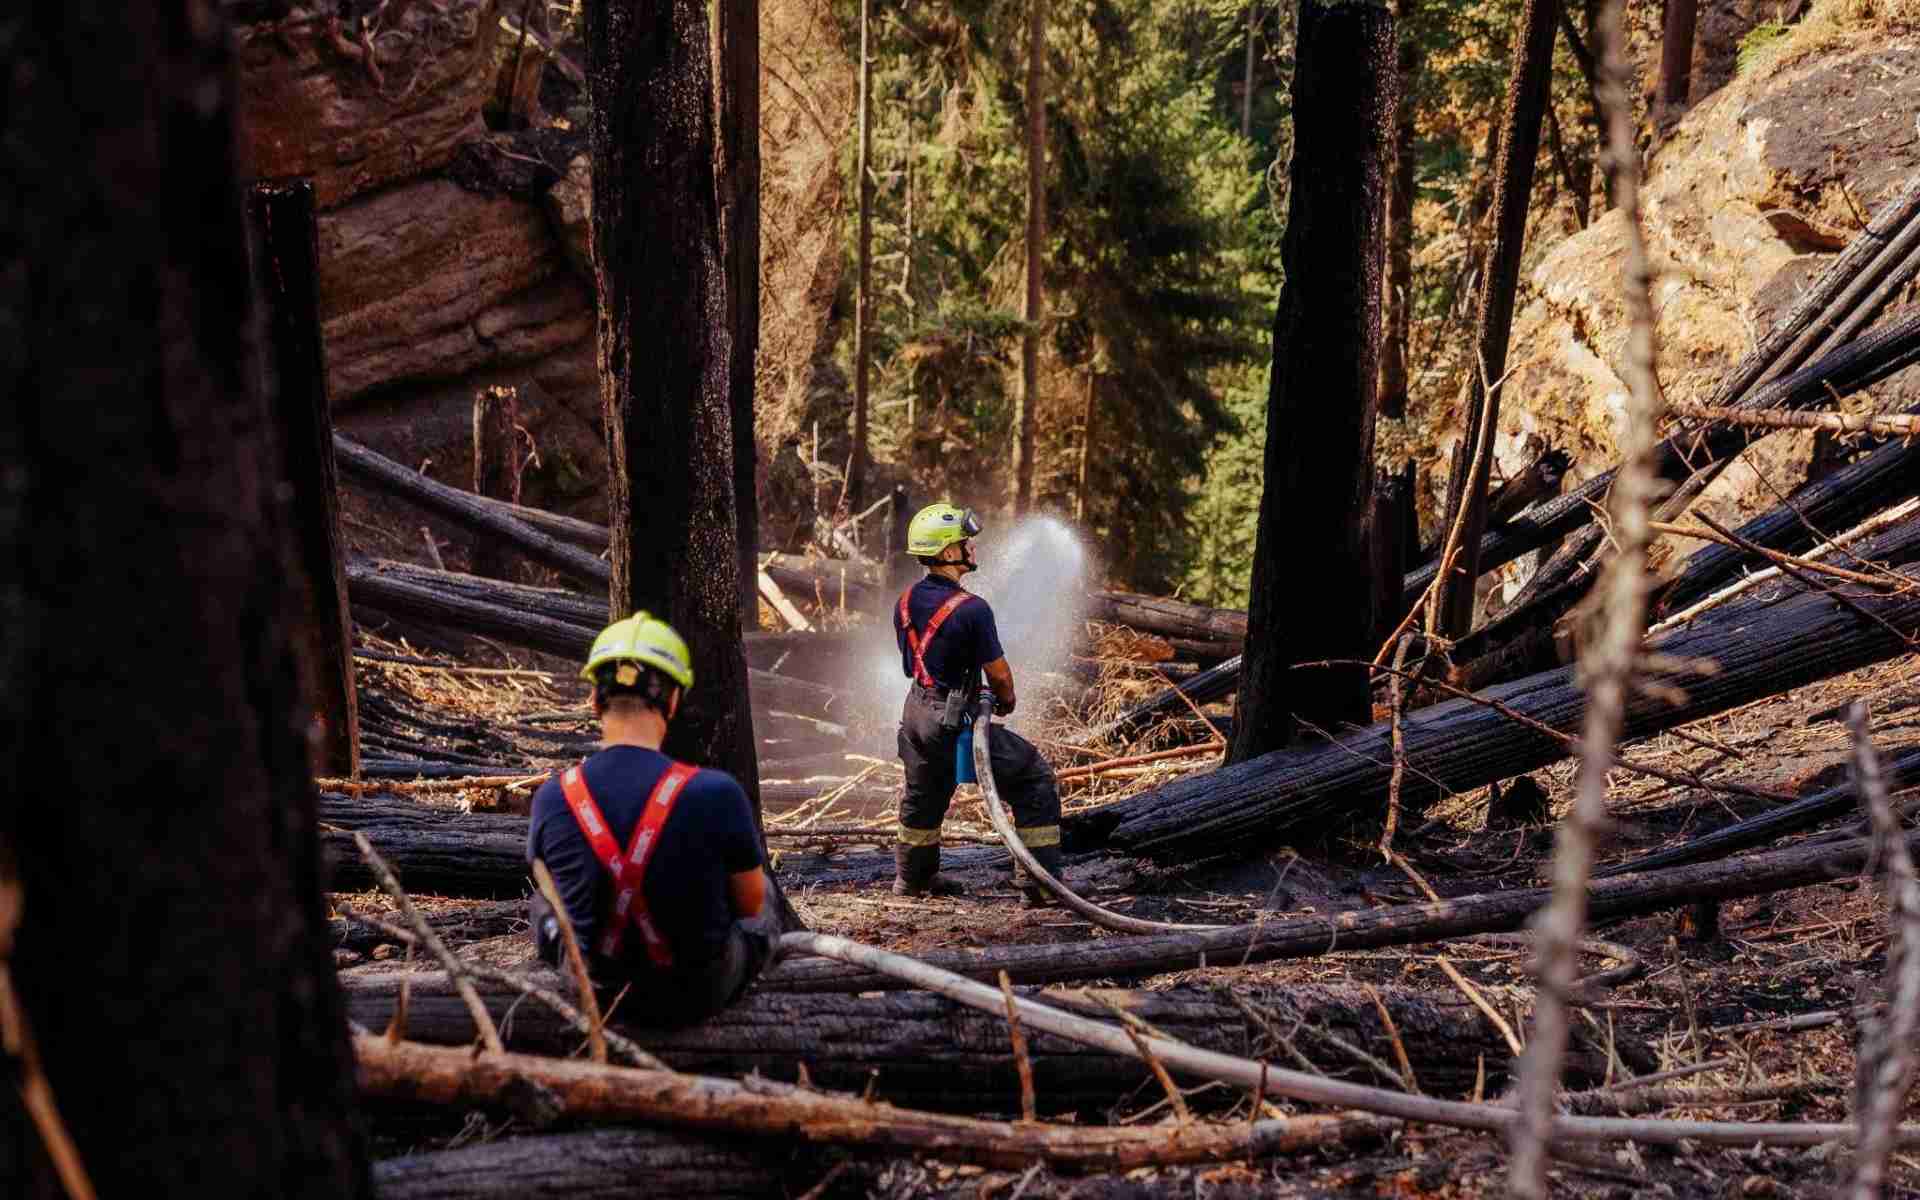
(1448, 493)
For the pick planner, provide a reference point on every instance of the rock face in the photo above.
(316, 107)
(454, 259)
(428, 281)
(1745, 203)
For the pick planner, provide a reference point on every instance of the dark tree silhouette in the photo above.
(739, 51)
(286, 265)
(1527, 96)
(1311, 590)
(664, 358)
(173, 959)
(1676, 55)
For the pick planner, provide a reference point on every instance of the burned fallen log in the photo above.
(456, 925)
(925, 1051)
(446, 852)
(1193, 623)
(473, 512)
(1136, 957)
(403, 594)
(1839, 501)
(1776, 641)
(1901, 770)
(535, 617)
(434, 768)
(597, 1164)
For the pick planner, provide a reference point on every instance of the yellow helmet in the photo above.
(938, 526)
(641, 639)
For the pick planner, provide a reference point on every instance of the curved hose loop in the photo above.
(1630, 965)
(1003, 825)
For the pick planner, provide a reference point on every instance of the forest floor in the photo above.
(1713, 1001)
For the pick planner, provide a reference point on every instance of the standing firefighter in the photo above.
(657, 862)
(948, 642)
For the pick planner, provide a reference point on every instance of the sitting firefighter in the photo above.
(948, 642)
(657, 862)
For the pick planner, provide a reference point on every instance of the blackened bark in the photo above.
(149, 669)
(1398, 319)
(286, 269)
(739, 51)
(496, 469)
(664, 358)
(1027, 405)
(1473, 458)
(1676, 55)
(1320, 406)
(856, 490)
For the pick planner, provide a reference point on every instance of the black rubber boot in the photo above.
(1033, 894)
(916, 872)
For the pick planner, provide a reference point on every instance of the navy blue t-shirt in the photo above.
(708, 837)
(967, 641)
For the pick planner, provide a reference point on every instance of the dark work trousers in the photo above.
(683, 994)
(1024, 779)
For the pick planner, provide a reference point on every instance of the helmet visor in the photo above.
(970, 524)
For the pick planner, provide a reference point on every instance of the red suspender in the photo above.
(920, 643)
(629, 871)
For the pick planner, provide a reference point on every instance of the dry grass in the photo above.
(1828, 25)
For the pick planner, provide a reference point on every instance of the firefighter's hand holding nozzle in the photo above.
(989, 700)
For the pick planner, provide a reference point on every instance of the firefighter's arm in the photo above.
(1000, 679)
(748, 892)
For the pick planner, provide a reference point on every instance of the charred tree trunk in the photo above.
(1320, 407)
(150, 638)
(1032, 309)
(1466, 513)
(664, 359)
(286, 269)
(1676, 56)
(496, 468)
(739, 53)
(1397, 319)
(863, 286)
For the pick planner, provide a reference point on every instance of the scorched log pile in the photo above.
(1520, 639)
(1779, 639)
(924, 1051)
(561, 542)
(1848, 293)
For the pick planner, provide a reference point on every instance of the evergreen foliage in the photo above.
(1164, 226)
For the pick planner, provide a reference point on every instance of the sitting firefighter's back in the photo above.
(657, 862)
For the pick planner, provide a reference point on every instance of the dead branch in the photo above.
(1886, 1059)
(1902, 425)
(1610, 662)
(759, 1107)
(589, 1004)
(1315, 1089)
(1898, 512)
(1774, 556)
(16, 1040)
(1021, 1062)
